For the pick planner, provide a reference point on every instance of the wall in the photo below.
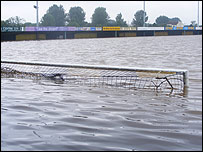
(127, 34)
(85, 35)
(21, 37)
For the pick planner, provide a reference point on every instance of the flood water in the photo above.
(43, 115)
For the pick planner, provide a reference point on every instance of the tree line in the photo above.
(56, 16)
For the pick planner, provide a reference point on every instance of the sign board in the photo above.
(50, 28)
(98, 28)
(150, 28)
(82, 28)
(11, 29)
(198, 28)
(180, 28)
(92, 28)
(111, 28)
(127, 28)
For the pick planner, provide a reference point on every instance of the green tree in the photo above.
(100, 17)
(175, 19)
(29, 24)
(58, 13)
(13, 21)
(73, 23)
(162, 20)
(4, 23)
(76, 16)
(111, 23)
(120, 21)
(48, 20)
(193, 23)
(139, 18)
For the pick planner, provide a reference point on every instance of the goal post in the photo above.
(125, 77)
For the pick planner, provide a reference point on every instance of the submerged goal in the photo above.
(121, 77)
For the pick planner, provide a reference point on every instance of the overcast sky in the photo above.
(185, 10)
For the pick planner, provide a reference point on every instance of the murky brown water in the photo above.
(42, 115)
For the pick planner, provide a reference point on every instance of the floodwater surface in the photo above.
(43, 115)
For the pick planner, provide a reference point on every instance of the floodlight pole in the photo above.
(198, 15)
(144, 15)
(37, 13)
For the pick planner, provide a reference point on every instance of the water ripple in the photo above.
(42, 115)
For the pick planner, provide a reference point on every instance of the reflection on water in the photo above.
(43, 115)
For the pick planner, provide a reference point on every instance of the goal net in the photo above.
(92, 75)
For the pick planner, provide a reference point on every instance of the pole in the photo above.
(198, 15)
(144, 15)
(65, 35)
(37, 13)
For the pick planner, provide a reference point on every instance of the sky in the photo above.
(187, 11)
